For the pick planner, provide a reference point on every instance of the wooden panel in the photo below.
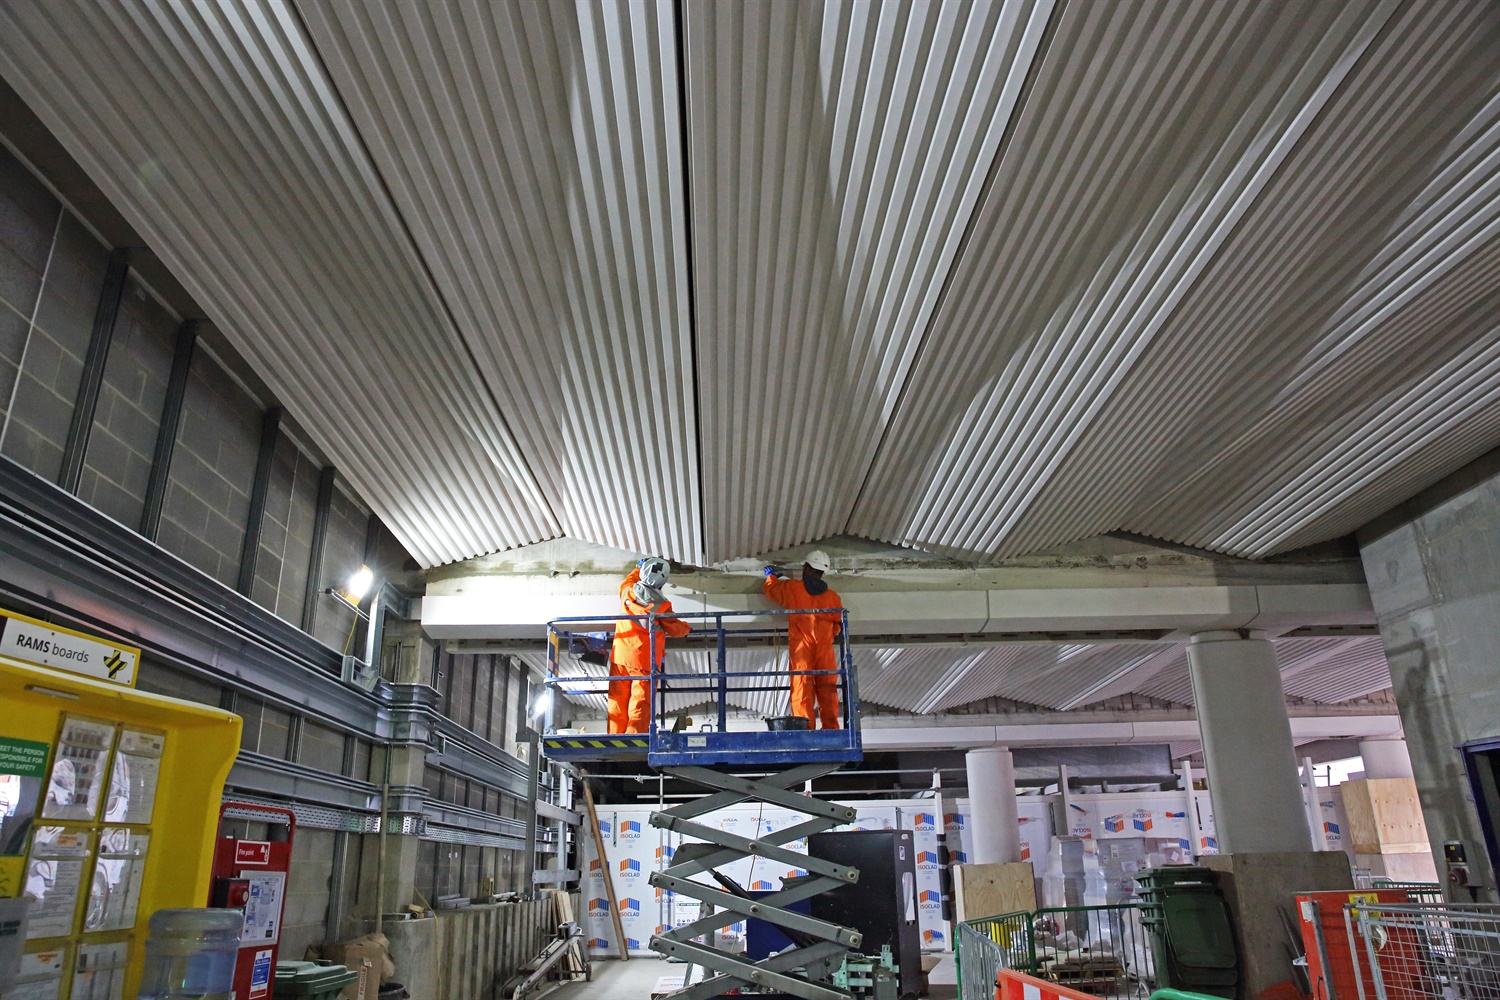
(990, 890)
(480, 947)
(1385, 816)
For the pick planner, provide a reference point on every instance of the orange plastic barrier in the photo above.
(1014, 985)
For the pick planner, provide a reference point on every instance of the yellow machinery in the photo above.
(109, 805)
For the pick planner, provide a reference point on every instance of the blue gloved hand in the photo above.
(770, 571)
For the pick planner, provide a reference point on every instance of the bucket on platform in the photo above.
(191, 953)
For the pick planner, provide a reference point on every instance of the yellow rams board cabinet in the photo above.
(109, 805)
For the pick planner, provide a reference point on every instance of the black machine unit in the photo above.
(883, 906)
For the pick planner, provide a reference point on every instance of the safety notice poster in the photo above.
(78, 768)
(263, 908)
(133, 776)
(23, 766)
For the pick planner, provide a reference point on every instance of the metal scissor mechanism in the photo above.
(802, 971)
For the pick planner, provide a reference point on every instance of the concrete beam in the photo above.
(519, 607)
(949, 736)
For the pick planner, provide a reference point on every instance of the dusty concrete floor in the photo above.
(635, 979)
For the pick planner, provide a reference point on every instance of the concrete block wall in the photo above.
(287, 532)
(213, 468)
(36, 426)
(29, 215)
(343, 553)
(122, 443)
(305, 919)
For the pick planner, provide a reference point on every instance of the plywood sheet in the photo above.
(990, 890)
(1385, 816)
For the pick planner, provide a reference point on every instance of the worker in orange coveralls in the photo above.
(640, 594)
(810, 639)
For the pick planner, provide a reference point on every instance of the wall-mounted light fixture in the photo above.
(358, 585)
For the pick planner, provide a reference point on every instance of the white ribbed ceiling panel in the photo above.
(934, 679)
(713, 278)
(1248, 337)
(1328, 670)
(214, 129)
(838, 152)
(1125, 176)
(535, 152)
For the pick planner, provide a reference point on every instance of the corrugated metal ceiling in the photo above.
(711, 279)
(929, 680)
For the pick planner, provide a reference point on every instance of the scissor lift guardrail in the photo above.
(707, 758)
(719, 743)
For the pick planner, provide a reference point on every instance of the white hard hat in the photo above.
(654, 572)
(818, 560)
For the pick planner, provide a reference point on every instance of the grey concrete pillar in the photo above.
(1385, 758)
(995, 823)
(1247, 744)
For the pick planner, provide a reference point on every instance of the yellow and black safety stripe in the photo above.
(601, 744)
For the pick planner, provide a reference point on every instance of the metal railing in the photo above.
(1417, 892)
(1101, 950)
(980, 961)
(714, 632)
(1425, 951)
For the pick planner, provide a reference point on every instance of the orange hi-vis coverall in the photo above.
(628, 700)
(810, 642)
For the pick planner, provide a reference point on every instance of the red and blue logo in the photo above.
(926, 821)
(1210, 843)
(761, 885)
(604, 827)
(594, 869)
(599, 943)
(1114, 824)
(665, 853)
(630, 830)
(631, 944)
(951, 820)
(598, 907)
(927, 860)
(959, 857)
(929, 896)
(1331, 828)
(932, 937)
(630, 907)
(795, 873)
(630, 868)
(1172, 815)
(1141, 821)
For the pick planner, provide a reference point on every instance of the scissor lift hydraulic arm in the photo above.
(709, 760)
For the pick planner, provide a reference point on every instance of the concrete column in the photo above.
(996, 825)
(1385, 758)
(1247, 744)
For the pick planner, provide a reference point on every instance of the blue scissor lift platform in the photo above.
(569, 641)
(780, 760)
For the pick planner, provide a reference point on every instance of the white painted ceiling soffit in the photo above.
(712, 279)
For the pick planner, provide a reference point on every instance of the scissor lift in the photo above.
(715, 758)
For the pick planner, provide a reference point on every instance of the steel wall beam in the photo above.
(319, 542)
(166, 431)
(265, 460)
(86, 404)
